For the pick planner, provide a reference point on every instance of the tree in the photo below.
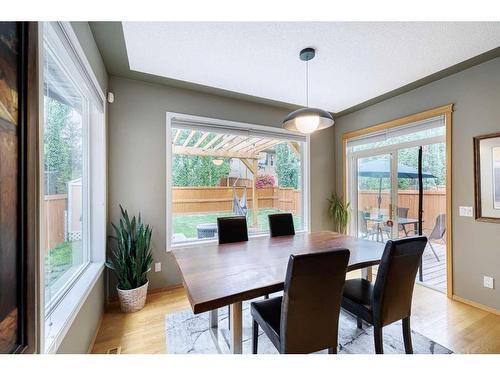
(287, 166)
(63, 152)
(190, 170)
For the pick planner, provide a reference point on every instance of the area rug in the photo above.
(187, 333)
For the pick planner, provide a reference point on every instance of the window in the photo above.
(73, 187)
(65, 172)
(220, 168)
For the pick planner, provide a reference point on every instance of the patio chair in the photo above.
(402, 213)
(437, 233)
(363, 226)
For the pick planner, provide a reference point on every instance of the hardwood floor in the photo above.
(142, 332)
(457, 326)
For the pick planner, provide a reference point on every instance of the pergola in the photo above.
(243, 147)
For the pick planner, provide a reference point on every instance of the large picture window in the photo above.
(217, 171)
(73, 181)
(65, 185)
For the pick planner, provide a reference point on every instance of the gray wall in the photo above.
(476, 95)
(83, 329)
(137, 162)
(82, 332)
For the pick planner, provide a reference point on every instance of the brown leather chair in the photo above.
(306, 318)
(232, 229)
(281, 224)
(389, 299)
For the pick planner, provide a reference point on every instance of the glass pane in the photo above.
(218, 175)
(407, 193)
(374, 197)
(63, 185)
(434, 216)
(393, 139)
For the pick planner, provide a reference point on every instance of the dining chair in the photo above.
(232, 229)
(389, 298)
(306, 318)
(281, 224)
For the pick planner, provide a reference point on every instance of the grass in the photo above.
(186, 223)
(59, 260)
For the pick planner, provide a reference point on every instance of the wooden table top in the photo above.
(217, 275)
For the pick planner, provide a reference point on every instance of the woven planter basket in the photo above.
(132, 300)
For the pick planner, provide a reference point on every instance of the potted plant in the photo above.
(131, 261)
(340, 212)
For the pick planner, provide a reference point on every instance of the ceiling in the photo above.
(355, 61)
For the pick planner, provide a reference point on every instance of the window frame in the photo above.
(57, 320)
(173, 118)
(86, 183)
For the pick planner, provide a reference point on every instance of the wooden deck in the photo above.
(434, 270)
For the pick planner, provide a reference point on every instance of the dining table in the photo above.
(218, 275)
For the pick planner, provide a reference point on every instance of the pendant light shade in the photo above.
(307, 120)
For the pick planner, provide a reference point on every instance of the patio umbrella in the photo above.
(382, 169)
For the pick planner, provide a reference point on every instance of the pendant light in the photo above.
(218, 162)
(307, 120)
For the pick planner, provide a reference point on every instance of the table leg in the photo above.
(236, 328)
(213, 318)
(366, 273)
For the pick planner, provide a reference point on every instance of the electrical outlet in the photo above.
(465, 211)
(489, 282)
(158, 267)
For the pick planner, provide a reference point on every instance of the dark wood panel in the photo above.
(217, 275)
(18, 124)
(9, 167)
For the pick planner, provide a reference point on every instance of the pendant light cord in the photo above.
(307, 83)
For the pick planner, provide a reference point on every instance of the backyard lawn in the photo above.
(60, 260)
(186, 223)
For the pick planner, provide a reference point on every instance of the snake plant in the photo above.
(131, 253)
(340, 212)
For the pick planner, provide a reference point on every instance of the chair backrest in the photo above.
(439, 228)
(393, 289)
(403, 212)
(232, 229)
(362, 223)
(311, 301)
(281, 224)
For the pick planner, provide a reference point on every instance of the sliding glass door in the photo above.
(374, 197)
(396, 188)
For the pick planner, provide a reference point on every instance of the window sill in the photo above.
(63, 315)
(211, 241)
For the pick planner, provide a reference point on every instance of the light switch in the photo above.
(158, 267)
(465, 211)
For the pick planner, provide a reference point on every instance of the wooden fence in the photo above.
(433, 205)
(214, 199)
(55, 218)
